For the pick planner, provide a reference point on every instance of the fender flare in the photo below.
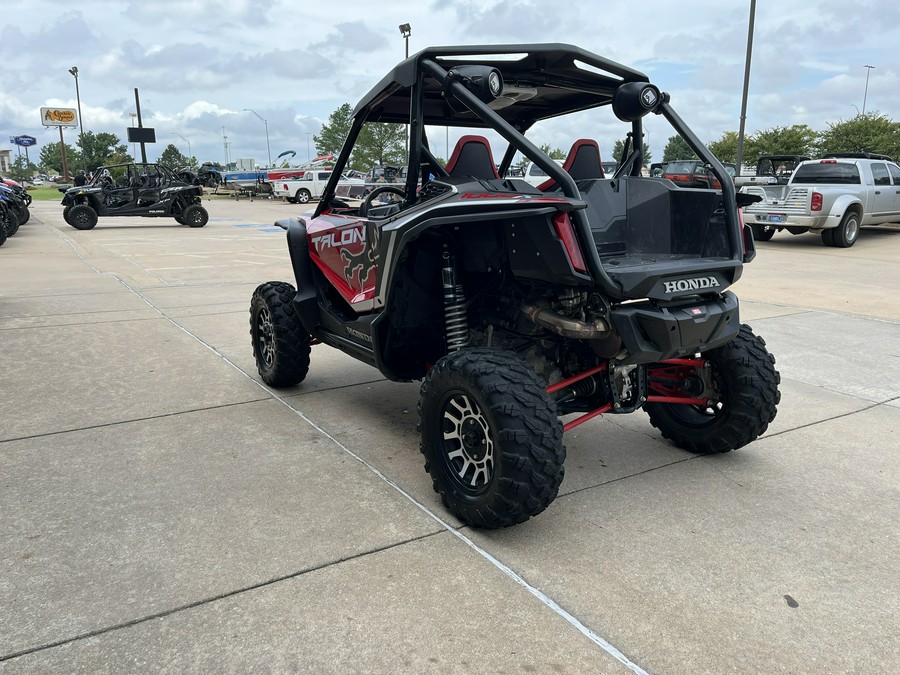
(305, 302)
(840, 207)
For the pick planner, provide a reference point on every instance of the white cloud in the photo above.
(199, 64)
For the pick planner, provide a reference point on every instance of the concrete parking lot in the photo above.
(161, 510)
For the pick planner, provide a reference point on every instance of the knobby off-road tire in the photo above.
(66, 211)
(195, 216)
(82, 217)
(845, 234)
(3, 225)
(744, 375)
(280, 343)
(491, 438)
(10, 224)
(23, 214)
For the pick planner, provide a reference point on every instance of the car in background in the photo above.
(694, 173)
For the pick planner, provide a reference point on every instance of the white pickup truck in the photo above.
(833, 197)
(311, 185)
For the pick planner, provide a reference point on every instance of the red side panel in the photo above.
(337, 245)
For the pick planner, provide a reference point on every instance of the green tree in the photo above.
(725, 149)
(677, 148)
(172, 157)
(51, 159)
(22, 169)
(620, 145)
(797, 139)
(872, 132)
(379, 143)
(555, 153)
(100, 149)
(331, 139)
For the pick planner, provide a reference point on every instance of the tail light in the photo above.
(816, 202)
(566, 233)
(284, 187)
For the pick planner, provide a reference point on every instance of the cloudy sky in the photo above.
(199, 64)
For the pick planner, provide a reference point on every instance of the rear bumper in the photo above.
(821, 222)
(651, 333)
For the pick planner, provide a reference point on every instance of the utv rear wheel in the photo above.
(82, 217)
(3, 222)
(280, 343)
(491, 439)
(742, 384)
(195, 216)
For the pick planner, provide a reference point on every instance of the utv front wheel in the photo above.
(280, 343)
(195, 216)
(741, 385)
(82, 217)
(491, 439)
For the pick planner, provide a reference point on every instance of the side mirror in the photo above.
(633, 100)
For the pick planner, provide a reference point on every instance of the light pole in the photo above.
(405, 32)
(261, 119)
(189, 145)
(868, 70)
(73, 71)
(308, 156)
(739, 160)
(133, 145)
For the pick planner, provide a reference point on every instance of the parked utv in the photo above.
(518, 305)
(150, 190)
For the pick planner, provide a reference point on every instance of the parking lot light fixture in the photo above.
(262, 119)
(866, 94)
(406, 31)
(73, 71)
(188, 144)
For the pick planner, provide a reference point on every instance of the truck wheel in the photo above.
(303, 196)
(82, 217)
(845, 234)
(195, 216)
(280, 343)
(761, 233)
(491, 438)
(741, 380)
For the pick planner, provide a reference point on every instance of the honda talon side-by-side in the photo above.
(525, 310)
(134, 189)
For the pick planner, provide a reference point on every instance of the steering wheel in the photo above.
(106, 181)
(369, 198)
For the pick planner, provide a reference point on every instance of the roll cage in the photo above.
(540, 81)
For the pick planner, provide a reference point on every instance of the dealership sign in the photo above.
(59, 117)
(23, 141)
